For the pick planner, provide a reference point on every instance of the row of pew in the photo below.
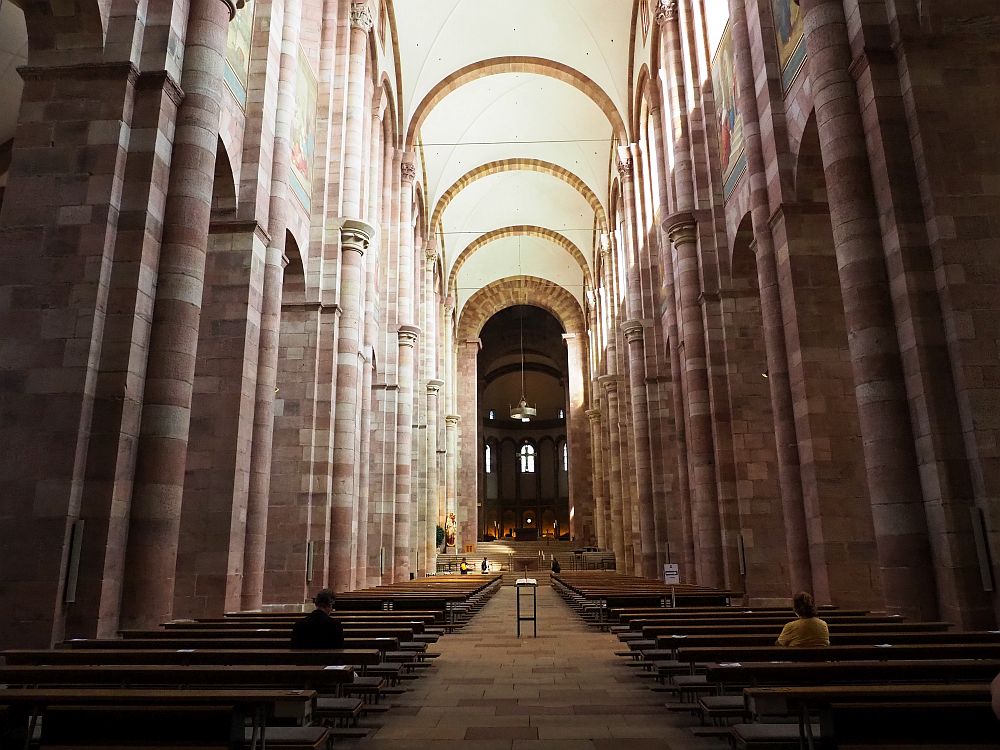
(883, 681)
(231, 681)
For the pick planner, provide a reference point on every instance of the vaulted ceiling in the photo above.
(513, 108)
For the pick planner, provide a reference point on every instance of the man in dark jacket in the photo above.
(318, 629)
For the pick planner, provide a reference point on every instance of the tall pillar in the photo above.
(786, 441)
(407, 335)
(354, 239)
(451, 468)
(430, 540)
(270, 314)
(597, 466)
(468, 471)
(154, 519)
(887, 437)
(701, 450)
(634, 332)
(404, 452)
(581, 496)
(618, 532)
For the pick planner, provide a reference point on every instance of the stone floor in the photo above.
(564, 690)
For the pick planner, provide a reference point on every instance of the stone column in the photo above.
(154, 519)
(597, 465)
(618, 532)
(355, 112)
(407, 334)
(404, 451)
(468, 471)
(701, 451)
(786, 441)
(634, 331)
(680, 190)
(354, 239)
(434, 387)
(451, 471)
(270, 314)
(887, 437)
(581, 501)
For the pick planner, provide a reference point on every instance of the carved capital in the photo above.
(408, 172)
(633, 330)
(434, 386)
(408, 335)
(681, 227)
(666, 10)
(356, 235)
(361, 17)
(594, 415)
(609, 383)
(452, 420)
(624, 164)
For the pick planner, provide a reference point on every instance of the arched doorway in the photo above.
(523, 487)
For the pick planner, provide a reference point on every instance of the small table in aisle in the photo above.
(532, 585)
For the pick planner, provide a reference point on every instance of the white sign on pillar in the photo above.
(671, 574)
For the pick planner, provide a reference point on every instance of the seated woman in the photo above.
(808, 630)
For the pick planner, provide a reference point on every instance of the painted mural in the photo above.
(727, 114)
(304, 130)
(237, 71)
(788, 34)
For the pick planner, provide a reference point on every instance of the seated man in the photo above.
(808, 630)
(318, 629)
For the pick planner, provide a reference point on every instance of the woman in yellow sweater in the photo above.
(808, 629)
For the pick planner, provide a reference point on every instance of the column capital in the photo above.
(633, 330)
(361, 17)
(571, 336)
(624, 163)
(594, 415)
(355, 235)
(681, 227)
(452, 420)
(666, 10)
(608, 382)
(605, 243)
(408, 172)
(449, 304)
(434, 385)
(408, 335)
(478, 343)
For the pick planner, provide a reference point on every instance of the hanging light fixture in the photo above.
(522, 411)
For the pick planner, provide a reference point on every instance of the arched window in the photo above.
(527, 457)
(565, 457)
(492, 414)
(562, 414)
(488, 459)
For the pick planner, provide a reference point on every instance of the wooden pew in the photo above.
(358, 658)
(26, 705)
(803, 702)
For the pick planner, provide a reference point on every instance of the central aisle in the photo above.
(563, 689)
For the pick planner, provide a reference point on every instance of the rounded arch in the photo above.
(641, 96)
(517, 165)
(389, 94)
(499, 65)
(519, 290)
(64, 32)
(810, 179)
(519, 230)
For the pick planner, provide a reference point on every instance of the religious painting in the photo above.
(303, 136)
(237, 72)
(727, 115)
(788, 34)
(450, 530)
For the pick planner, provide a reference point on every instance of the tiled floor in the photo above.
(564, 690)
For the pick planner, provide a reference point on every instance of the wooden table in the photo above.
(25, 705)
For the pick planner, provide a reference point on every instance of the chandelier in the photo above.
(522, 411)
